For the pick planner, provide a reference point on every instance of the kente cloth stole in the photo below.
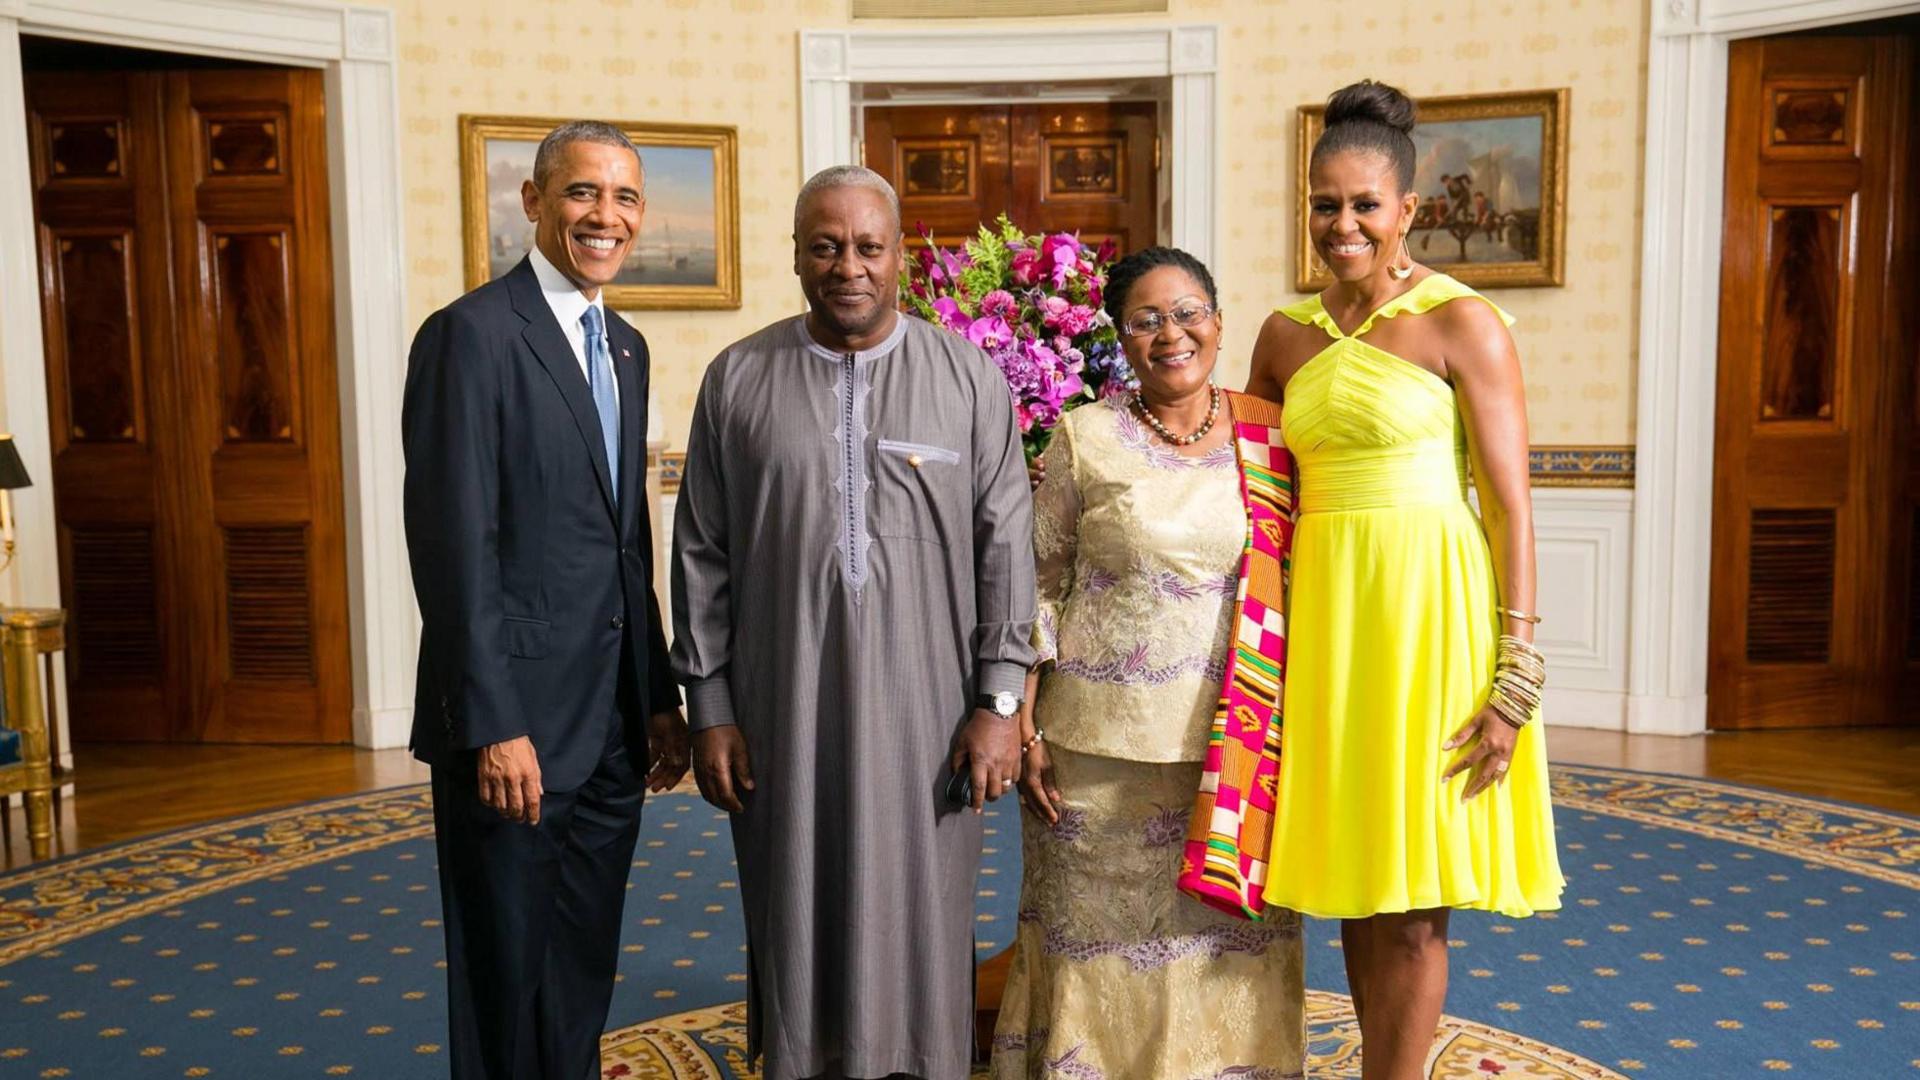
(1231, 832)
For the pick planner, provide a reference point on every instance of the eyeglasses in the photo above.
(1148, 323)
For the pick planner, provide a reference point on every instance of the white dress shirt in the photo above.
(563, 296)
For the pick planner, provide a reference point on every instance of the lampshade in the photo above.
(13, 471)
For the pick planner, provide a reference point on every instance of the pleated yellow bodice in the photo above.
(1392, 625)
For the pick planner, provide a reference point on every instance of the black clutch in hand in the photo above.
(960, 788)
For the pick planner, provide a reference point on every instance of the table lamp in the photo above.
(13, 474)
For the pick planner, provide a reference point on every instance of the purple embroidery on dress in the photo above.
(1070, 1065)
(1099, 580)
(1170, 586)
(1133, 436)
(1212, 943)
(1169, 826)
(1019, 1040)
(1252, 1072)
(1132, 669)
(1071, 826)
(1049, 643)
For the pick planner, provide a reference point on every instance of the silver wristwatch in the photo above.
(1005, 704)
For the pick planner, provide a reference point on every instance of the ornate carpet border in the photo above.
(1878, 844)
(45, 905)
(694, 1045)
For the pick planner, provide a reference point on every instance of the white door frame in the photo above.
(1686, 105)
(832, 61)
(355, 48)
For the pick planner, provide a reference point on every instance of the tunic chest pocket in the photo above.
(917, 489)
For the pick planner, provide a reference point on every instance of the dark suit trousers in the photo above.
(533, 919)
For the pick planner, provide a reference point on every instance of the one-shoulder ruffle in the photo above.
(1433, 291)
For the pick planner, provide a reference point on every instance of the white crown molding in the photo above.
(1192, 50)
(354, 45)
(368, 33)
(278, 31)
(1745, 18)
(832, 62)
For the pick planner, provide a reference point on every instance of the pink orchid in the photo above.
(989, 332)
(951, 316)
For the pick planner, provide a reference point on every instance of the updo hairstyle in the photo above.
(1374, 118)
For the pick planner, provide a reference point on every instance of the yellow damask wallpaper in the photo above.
(736, 62)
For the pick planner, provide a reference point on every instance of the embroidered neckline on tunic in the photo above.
(861, 356)
(1133, 435)
(850, 389)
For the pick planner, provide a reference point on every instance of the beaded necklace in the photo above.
(1160, 429)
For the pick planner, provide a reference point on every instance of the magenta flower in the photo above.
(951, 316)
(998, 302)
(1025, 267)
(989, 332)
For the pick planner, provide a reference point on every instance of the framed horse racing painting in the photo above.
(1491, 172)
(687, 255)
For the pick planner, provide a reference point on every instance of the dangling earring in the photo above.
(1402, 273)
(1313, 256)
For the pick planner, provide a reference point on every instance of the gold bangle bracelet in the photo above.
(1523, 616)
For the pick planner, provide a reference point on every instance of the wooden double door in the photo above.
(188, 314)
(1080, 167)
(1816, 516)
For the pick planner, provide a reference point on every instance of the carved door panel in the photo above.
(240, 402)
(1085, 167)
(100, 206)
(1812, 504)
(950, 165)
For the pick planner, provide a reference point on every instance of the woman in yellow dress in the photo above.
(1413, 775)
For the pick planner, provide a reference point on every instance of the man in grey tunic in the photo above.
(852, 600)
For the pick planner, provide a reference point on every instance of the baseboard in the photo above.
(1650, 714)
(1603, 709)
(382, 729)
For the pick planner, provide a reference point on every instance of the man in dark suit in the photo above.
(545, 704)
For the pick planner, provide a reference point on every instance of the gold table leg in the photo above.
(24, 634)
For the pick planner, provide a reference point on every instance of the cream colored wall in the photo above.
(736, 62)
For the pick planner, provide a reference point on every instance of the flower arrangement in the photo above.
(1033, 303)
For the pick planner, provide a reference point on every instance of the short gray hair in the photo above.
(547, 157)
(840, 176)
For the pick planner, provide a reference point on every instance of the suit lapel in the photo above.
(633, 424)
(549, 344)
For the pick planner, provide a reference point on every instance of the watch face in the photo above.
(1005, 703)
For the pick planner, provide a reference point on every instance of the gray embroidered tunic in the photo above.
(852, 558)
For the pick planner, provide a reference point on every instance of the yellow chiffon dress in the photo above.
(1392, 623)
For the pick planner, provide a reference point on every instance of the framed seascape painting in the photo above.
(688, 252)
(1492, 176)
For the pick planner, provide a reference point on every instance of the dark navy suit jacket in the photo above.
(535, 591)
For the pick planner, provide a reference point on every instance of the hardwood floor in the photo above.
(126, 790)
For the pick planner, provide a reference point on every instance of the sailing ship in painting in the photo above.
(1479, 184)
(657, 260)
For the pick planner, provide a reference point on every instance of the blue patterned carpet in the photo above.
(1710, 930)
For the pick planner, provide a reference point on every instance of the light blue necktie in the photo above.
(600, 384)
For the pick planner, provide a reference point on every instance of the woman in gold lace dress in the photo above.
(1139, 531)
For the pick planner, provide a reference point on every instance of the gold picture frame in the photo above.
(693, 187)
(1514, 142)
